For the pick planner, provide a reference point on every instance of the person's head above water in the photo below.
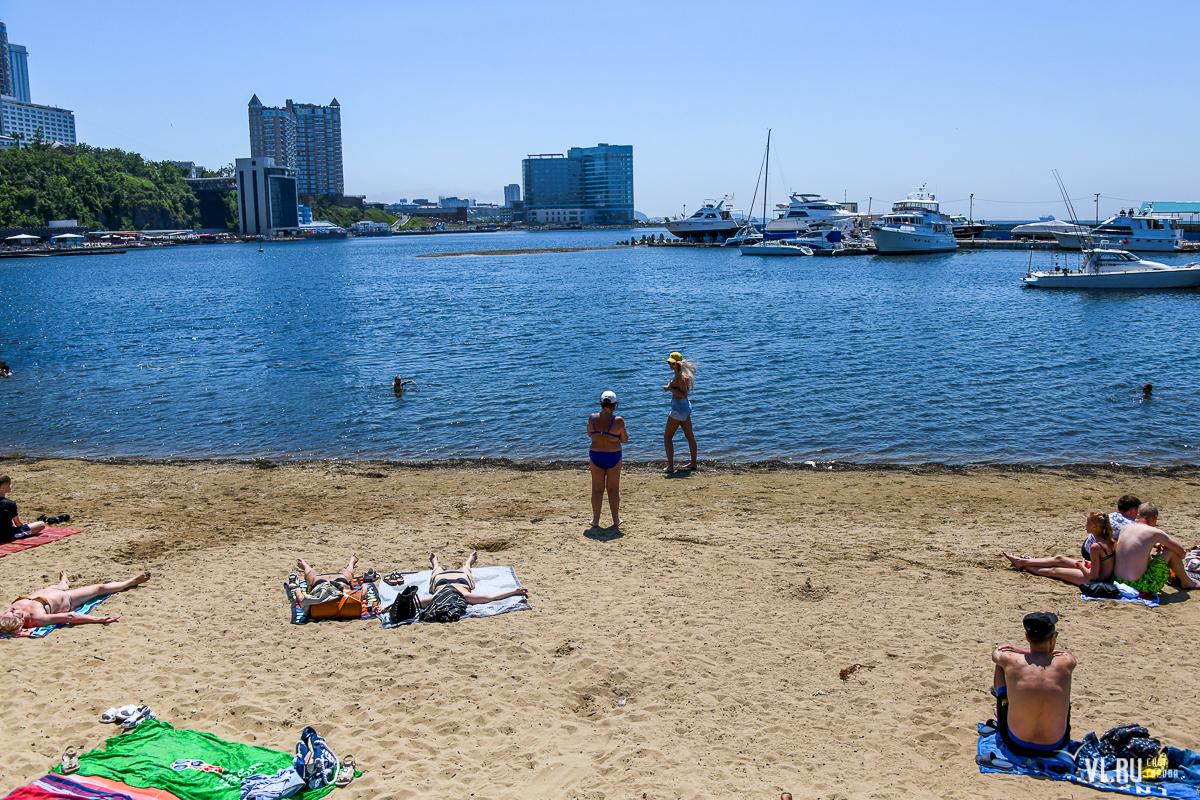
(1147, 389)
(608, 399)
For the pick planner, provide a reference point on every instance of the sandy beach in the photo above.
(723, 612)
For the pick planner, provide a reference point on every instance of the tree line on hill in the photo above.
(104, 189)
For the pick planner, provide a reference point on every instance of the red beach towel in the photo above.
(45, 537)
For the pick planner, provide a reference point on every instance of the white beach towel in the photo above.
(488, 580)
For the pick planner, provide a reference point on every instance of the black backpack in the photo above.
(446, 606)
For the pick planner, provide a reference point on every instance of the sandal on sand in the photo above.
(345, 772)
(140, 715)
(109, 716)
(70, 761)
(371, 576)
(394, 579)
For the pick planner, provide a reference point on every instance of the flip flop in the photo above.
(109, 716)
(139, 716)
(70, 761)
(345, 772)
(393, 579)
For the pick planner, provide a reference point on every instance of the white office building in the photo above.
(23, 121)
(266, 196)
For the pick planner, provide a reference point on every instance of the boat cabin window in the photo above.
(797, 214)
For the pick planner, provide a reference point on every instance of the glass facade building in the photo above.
(587, 186)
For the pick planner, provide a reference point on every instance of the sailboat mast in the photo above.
(766, 177)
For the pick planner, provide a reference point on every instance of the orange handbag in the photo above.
(349, 606)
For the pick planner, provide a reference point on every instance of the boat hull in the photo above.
(1178, 278)
(775, 248)
(697, 232)
(968, 231)
(891, 241)
(1134, 244)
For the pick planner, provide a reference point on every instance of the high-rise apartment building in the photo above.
(18, 70)
(512, 194)
(6, 86)
(304, 137)
(587, 186)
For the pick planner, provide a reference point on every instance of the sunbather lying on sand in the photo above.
(56, 604)
(462, 581)
(1072, 570)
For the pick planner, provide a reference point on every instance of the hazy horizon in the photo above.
(868, 101)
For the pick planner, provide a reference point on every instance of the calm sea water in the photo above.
(222, 351)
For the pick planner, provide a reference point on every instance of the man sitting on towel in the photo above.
(1033, 690)
(1145, 555)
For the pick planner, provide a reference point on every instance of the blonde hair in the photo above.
(687, 373)
(11, 625)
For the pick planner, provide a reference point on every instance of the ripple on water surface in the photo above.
(222, 351)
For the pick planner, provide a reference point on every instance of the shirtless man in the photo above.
(1144, 554)
(1033, 690)
(56, 604)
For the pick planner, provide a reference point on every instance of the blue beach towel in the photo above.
(1182, 780)
(37, 633)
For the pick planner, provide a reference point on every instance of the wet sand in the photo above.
(722, 612)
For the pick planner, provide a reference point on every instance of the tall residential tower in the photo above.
(304, 137)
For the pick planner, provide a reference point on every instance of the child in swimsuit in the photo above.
(1099, 567)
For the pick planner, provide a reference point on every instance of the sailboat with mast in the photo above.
(748, 235)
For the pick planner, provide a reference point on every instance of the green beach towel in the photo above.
(189, 764)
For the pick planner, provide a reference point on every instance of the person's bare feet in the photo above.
(62, 580)
(433, 560)
(302, 565)
(353, 561)
(596, 523)
(691, 465)
(140, 579)
(471, 559)
(617, 523)
(668, 469)
(785, 796)
(1016, 561)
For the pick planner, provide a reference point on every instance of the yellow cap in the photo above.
(675, 358)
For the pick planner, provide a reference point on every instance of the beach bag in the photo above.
(1101, 590)
(404, 607)
(349, 606)
(315, 762)
(446, 606)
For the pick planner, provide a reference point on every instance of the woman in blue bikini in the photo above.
(607, 431)
(681, 409)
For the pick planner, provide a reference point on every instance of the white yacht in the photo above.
(1131, 231)
(1105, 268)
(713, 222)
(776, 247)
(1045, 228)
(806, 210)
(915, 226)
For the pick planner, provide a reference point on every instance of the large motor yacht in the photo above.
(1106, 268)
(806, 210)
(713, 222)
(1130, 231)
(916, 225)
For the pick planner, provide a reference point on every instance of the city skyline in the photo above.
(865, 104)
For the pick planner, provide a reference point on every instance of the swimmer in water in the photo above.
(398, 385)
(1147, 391)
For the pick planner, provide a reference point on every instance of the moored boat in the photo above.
(916, 225)
(1132, 231)
(1108, 268)
(806, 211)
(965, 228)
(713, 222)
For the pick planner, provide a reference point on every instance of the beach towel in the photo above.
(488, 580)
(155, 761)
(37, 633)
(1128, 595)
(1182, 780)
(45, 537)
(300, 618)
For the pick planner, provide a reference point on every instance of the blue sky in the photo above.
(865, 99)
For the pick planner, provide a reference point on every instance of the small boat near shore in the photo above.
(1046, 228)
(806, 211)
(966, 228)
(776, 247)
(1105, 268)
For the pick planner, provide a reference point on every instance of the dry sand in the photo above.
(723, 613)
